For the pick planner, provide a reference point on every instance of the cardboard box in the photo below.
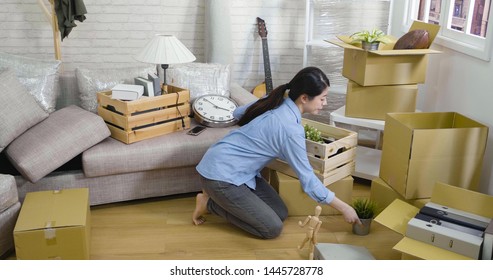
(330, 162)
(146, 117)
(374, 102)
(423, 148)
(384, 195)
(299, 203)
(386, 66)
(54, 225)
(397, 215)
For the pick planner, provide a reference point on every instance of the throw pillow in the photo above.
(200, 78)
(18, 109)
(40, 77)
(62, 136)
(92, 81)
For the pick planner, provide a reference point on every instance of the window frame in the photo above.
(459, 41)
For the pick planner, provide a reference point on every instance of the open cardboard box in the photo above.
(420, 149)
(386, 66)
(398, 213)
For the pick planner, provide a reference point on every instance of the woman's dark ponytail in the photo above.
(271, 101)
(310, 81)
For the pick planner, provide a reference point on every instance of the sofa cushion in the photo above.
(92, 81)
(18, 109)
(39, 76)
(200, 78)
(55, 141)
(172, 150)
(8, 192)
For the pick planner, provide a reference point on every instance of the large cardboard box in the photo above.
(299, 203)
(384, 195)
(420, 149)
(397, 215)
(374, 102)
(330, 161)
(386, 66)
(54, 225)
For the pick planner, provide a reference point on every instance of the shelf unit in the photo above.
(367, 159)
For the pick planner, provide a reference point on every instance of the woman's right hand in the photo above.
(347, 211)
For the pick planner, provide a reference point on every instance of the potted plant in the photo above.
(313, 134)
(370, 39)
(365, 209)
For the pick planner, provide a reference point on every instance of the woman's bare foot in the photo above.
(200, 208)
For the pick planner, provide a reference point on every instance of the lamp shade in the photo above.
(165, 49)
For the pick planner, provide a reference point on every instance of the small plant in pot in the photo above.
(313, 134)
(370, 39)
(365, 209)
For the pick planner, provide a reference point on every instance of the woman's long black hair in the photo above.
(310, 81)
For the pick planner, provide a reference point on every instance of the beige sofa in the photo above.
(113, 171)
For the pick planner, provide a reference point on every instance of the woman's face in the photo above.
(316, 104)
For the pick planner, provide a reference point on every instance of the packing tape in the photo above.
(49, 231)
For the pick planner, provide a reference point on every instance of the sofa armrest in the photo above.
(241, 95)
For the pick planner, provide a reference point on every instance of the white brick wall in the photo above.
(115, 30)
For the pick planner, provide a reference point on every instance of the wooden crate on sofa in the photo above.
(331, 161)
(146, 117)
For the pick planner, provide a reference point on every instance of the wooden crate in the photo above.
(331, 162)
(146, 117)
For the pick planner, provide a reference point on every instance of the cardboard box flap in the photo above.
(396, 215)
(463, 199)
(431, 28)
(425, 251)
(49, 215)
(387, 49)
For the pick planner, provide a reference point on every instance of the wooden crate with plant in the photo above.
(331, 152)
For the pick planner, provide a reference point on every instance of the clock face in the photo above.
(214, 110)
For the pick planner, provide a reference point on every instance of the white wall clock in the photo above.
(214, 110)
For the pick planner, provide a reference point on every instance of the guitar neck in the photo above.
(268, 76)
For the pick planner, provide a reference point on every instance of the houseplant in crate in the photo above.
(365, 209)
(370, 39)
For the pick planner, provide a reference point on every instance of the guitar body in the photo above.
(260, 90)
(265, 87)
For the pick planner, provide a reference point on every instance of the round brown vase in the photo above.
(362, 229)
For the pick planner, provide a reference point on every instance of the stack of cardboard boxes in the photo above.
(426, 157)
(384, 80)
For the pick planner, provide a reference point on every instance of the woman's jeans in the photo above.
(260, 212)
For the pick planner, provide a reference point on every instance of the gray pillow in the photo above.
(40, 77)
(18, 109)
(63, 135)
(92, 81)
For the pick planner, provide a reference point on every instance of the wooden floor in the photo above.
(161, 229)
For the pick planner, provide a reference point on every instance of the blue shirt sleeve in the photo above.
(295, 154)
(240, 111)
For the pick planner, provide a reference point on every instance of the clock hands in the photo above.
(217, 107)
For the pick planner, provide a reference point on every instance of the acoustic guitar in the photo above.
(265, 87)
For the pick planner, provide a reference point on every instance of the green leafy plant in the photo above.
(311, 133)
(373, 36)
(365, 208)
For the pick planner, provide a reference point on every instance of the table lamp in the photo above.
(165, 50)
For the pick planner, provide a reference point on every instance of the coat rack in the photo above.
(52, 19)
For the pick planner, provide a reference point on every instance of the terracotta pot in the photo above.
(362, 229)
